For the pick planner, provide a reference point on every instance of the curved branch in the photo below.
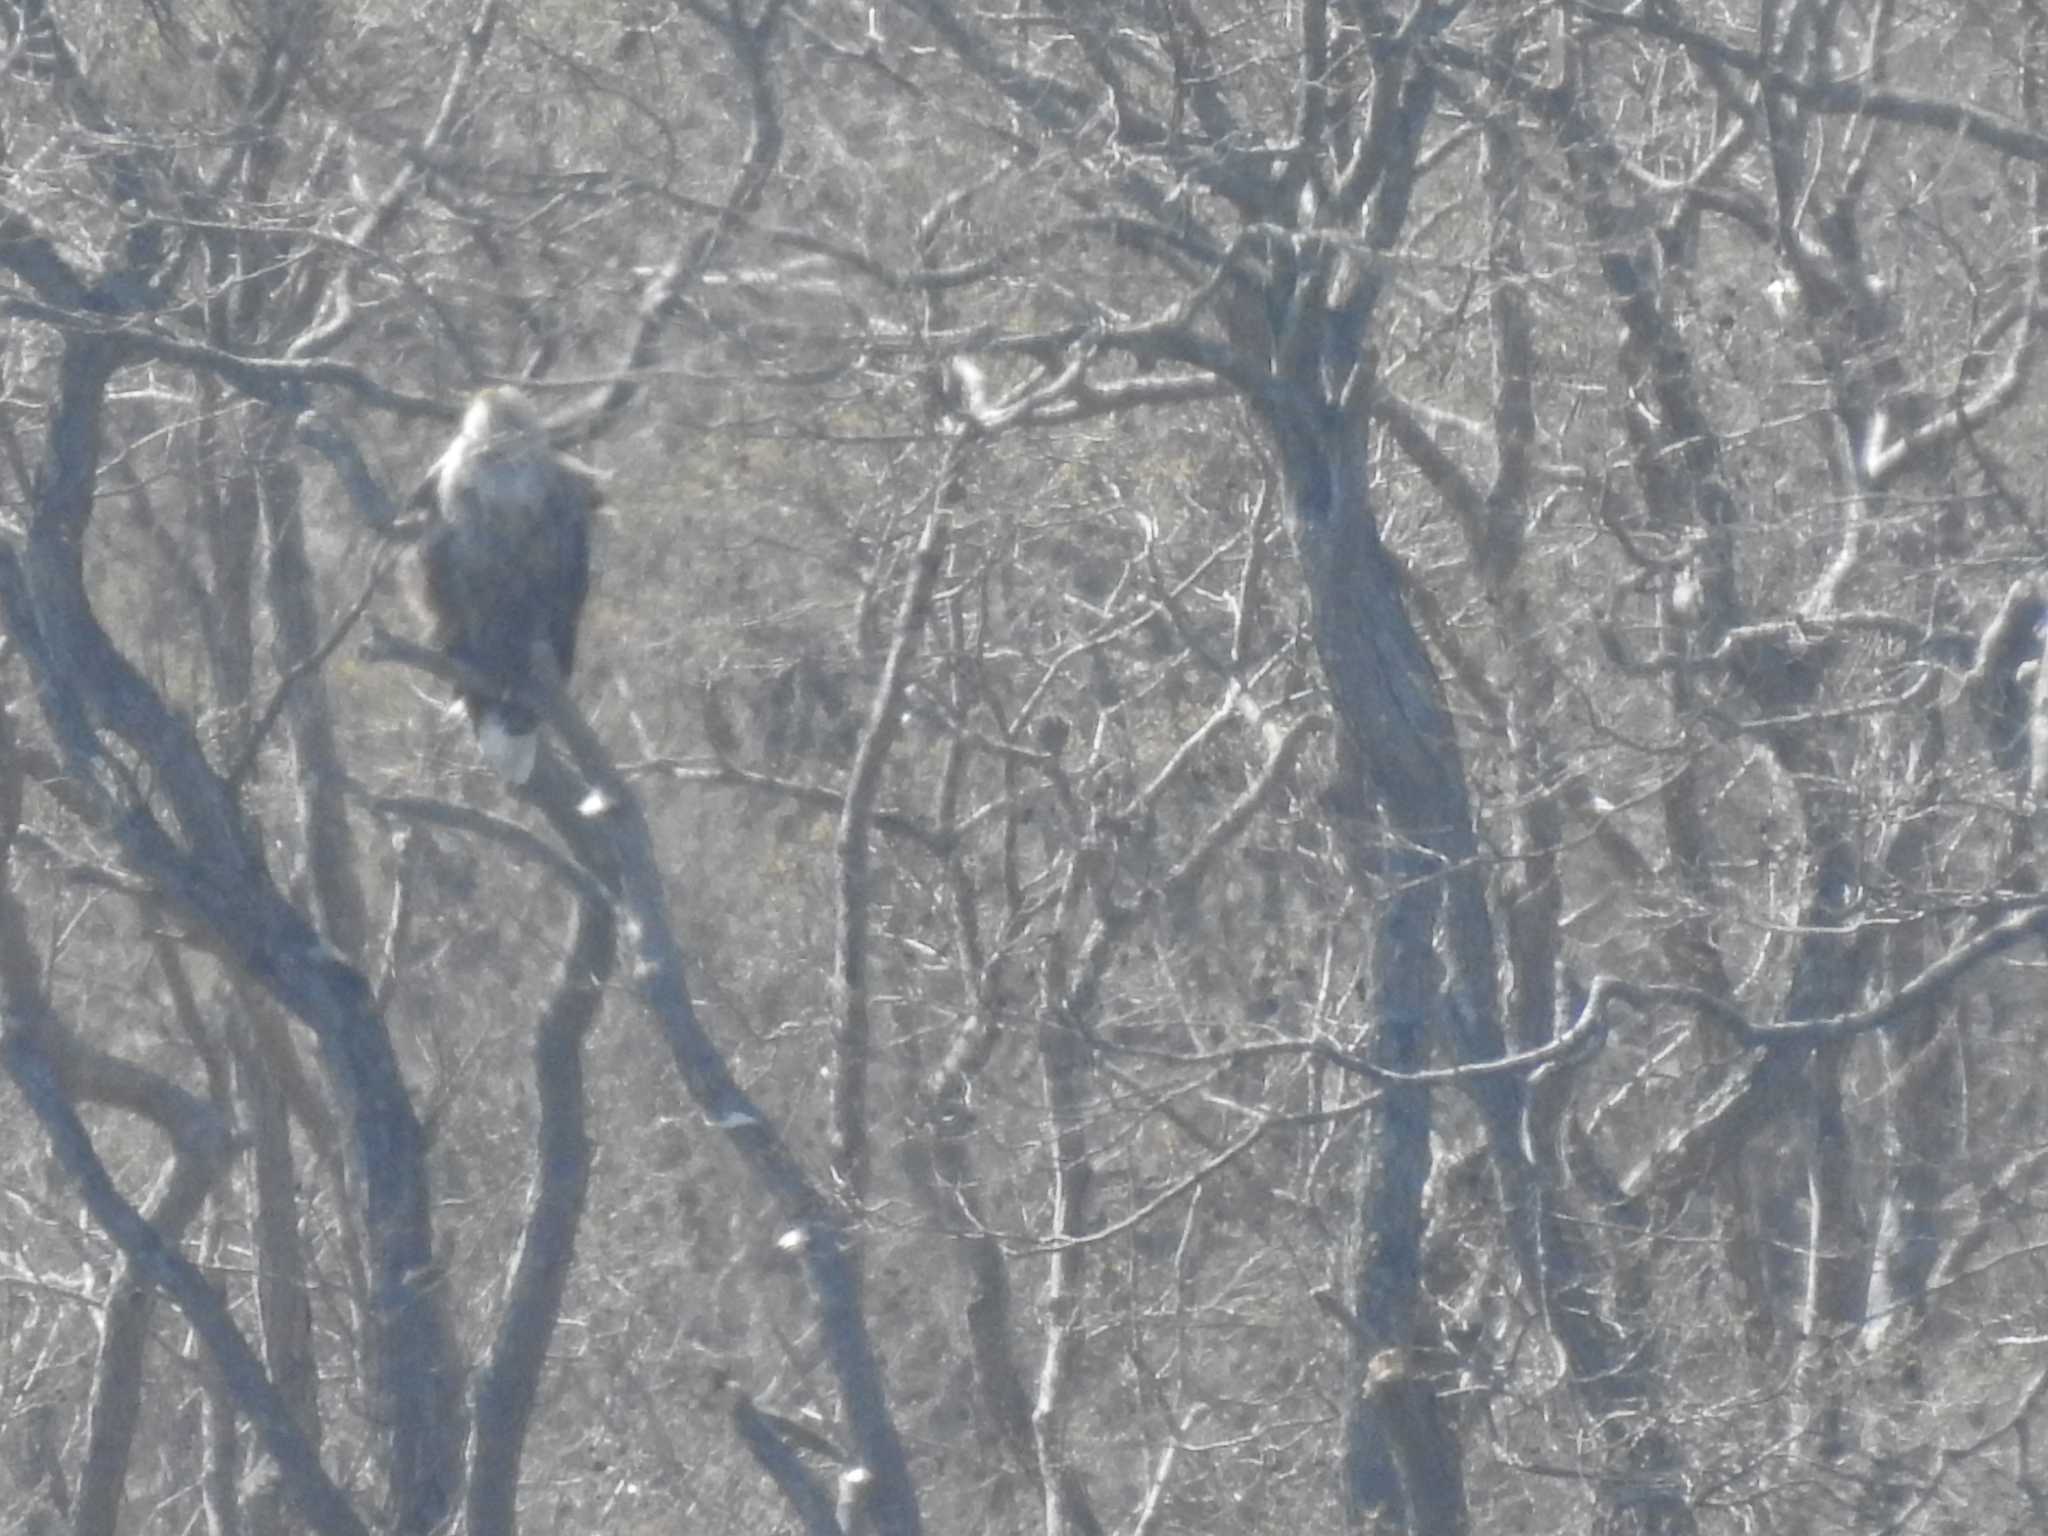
(608, 827)
(509, 1381)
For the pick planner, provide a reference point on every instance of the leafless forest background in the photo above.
(1304, 795)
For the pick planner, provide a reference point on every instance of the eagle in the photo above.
(505, 565)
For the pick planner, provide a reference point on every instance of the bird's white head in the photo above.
(501, 413)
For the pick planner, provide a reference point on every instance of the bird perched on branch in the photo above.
(505, 565)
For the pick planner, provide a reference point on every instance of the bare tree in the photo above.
(1314, 731)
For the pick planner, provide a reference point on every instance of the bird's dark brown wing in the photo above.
(569, 563)
(442, 590)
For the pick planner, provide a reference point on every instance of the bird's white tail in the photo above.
(510, 755)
